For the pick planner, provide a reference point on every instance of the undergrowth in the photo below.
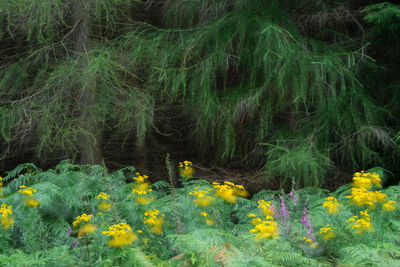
(81, 215)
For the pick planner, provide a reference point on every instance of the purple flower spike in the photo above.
(284, 211)
(305, 220)
(308, 232)
(303, 217)
(69, 231)
(291, 194)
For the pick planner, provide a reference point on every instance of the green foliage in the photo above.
(35, 21)
(40, 236)
(306, 165)
(385, 15)
(240, 74)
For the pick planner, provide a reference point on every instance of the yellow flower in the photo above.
(143, 200)
(326, 232)
(365, 215)
(187, 172)
(140, 178)
(154, 221)
(389, 206)
(83, 218)
(265, 230)
(228, 191)
(186, 169)
(106, 206)
(256, 221)
(205, 214)
(86, 229)
(362, 182)
(32, 202)
(240, 191)
(27, 191)
(361, 197)
(6, 220)
(201, 197)
(103, 195)
(122, 235)
(265, 207)
(5, 209)
(331, 204)
(210, 221)
(376, 180)
(142, 189)
(363, 224)
(352, 219)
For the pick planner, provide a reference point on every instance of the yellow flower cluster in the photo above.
(141, 189)
(186, 169)
(229, 191)
(122, 235)
(6, 219)
(331, 204)
(326, 232)
(360, 195)
(362, 224)
(83, 218)
(104, 205)
(264, 228)
(256, 220)
(154, 221)
(310, 243)
(366, 180)
(201, 197)
(86, 228)
(103, 195)
(28, 193)
(209, 221)
(265, 207)
(1, 183)
(140, 178)
(389, 206)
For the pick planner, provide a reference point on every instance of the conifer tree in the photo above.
(245, 83)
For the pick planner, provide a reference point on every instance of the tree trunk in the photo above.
(90, 138)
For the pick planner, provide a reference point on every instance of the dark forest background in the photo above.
(272, 90)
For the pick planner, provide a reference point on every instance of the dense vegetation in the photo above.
(78, 215)
(301, 94)
(303, 89)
